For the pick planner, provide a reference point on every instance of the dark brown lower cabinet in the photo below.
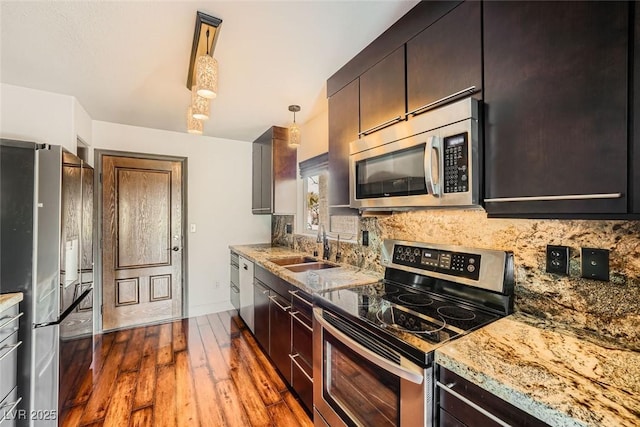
(302, 347)
(464, 404)
(280, 336)
(261, 313)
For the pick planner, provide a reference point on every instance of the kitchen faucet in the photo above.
(325, 244)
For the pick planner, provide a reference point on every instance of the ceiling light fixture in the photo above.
(199, 105)
(194, 125)
(207, 74)
(202, 79)
(294, 130)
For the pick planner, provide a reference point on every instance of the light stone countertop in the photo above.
(550, 371)
(8, 300)
(341, 276)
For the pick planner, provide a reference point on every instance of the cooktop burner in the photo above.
(456, 313)
(415, 299)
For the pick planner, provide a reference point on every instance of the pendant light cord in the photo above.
(207, 41)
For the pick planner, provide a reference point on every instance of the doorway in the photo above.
(142, 217)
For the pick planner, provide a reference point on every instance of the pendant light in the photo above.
(207, 74)
(194, 125)
(294, 130)
(199, 105)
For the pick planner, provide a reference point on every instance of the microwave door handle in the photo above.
(433, 185)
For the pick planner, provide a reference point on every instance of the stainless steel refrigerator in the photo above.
(42, 245)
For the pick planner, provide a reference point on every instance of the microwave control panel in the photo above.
(456, 163)
(446, 262)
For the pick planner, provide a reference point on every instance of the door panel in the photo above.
(142, 241)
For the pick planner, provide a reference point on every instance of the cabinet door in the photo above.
(267, 176)
(344, 125)
(256, 175)
(556, 107)
(261, 314)
(382, 92)
(445, 58)
(280, 336)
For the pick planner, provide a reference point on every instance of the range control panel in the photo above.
(453, 263)
(456, 163)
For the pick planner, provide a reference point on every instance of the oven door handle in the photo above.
(393, 368)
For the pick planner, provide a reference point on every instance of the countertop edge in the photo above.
(10, 299)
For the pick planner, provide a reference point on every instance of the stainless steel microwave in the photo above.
(431, 160)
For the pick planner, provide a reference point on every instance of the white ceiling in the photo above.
(127, 61)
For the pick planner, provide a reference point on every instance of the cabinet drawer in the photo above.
(8, 364)
(8, 408)
(448, 420)
(302, 341)
(301, 382)
(9, 319)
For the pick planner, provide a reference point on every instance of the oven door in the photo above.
(363, 382)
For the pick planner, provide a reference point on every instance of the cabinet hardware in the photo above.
(11, 348)
(293, 359)
(552, 198)
(293, 314)
(11, 320)
(434, 104)
(448, 389)
(382, 125)
(295, 294)
(376, 359)
(275, 301)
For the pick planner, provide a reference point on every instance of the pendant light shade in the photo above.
(199, 105)
(294, 130)
(207, 76)
(194, 125)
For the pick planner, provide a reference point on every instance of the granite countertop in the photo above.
(341, 276)
(550, 371)
(7, 300)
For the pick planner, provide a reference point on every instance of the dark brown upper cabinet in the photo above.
(344, 125)
(382, 93)
(274, 173)
(556, 117)
(445, 59)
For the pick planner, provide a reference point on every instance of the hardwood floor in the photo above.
(206, 371)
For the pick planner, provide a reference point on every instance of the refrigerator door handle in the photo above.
(67, 312)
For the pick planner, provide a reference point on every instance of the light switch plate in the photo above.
(595, 264)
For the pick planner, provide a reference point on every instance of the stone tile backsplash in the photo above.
(610, 309)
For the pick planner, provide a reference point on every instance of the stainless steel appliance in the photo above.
(43, 256)
(432, 160)
(373, 345)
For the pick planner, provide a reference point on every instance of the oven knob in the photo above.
(412, 258)
(416, 252)
(471, 268)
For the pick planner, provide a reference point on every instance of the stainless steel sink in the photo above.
(292, 260)
(309, 266)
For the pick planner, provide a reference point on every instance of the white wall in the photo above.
(219, 202)
(82, 124)
(39, 116)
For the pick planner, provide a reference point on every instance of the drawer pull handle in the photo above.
(295, 294)
(293, 359)
(382, 125)
(12, 407)
(11, 349)
(448, 389)
(293, 314)
(551, 198)
(434, 104)
(275, 301)
(17, 316)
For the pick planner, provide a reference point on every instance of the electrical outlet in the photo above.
(288, 228)
(365, 238)
(558, 260)
(595, 264)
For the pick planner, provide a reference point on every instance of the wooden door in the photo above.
(142, 241)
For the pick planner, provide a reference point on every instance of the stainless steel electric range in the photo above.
(374, 344)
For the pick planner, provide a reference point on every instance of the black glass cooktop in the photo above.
(417, 317)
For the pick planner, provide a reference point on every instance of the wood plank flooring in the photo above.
(202, 371)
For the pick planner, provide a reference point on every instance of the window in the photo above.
(312, 202)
